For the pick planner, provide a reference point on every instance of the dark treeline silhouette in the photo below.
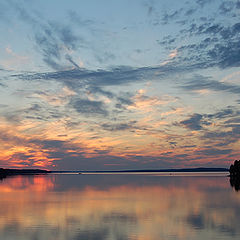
(10, 172)
(235, 168)
(235, 175)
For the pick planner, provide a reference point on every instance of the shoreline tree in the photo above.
(235, 169)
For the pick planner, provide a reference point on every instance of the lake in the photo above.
(119, 207)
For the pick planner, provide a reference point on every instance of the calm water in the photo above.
(121, 207)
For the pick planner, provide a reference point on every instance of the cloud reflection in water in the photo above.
(118, 207)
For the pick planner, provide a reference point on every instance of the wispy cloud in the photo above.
(204, 83)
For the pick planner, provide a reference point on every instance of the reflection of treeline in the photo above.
(2, 173)
(235, 175)
(235, 183)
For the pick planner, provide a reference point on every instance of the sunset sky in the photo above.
(110, 84)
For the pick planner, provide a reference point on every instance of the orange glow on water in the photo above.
(143, 212)
(23, 184)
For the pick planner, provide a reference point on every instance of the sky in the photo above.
(102, 85)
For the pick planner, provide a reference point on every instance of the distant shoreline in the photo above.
(10, 172)
(149, 170)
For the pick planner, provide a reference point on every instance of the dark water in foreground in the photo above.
(121, 207)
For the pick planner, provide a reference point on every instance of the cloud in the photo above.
(181, 15)
(69, 58)
(175, 111)
(200, 83)
(99, 90)
(193, 123)
(238, 4)
(22, 13)
(20, 149)
(227, 112)
(77, 78)
(78, 20)
(142, 102)
(89, 107)
(99, 104)
(202, 3)
(226, 7)
(215, 127)
(49, 144)
(189, 146)
(60, 98)
(224, 137)
(119, 126)
(213, 151)
(173, 54)
(124, 100)
(227, 55)
(190, 11)
(65, 35)
(226, 130)
(168, 17)
(213, 43)
(56, 42)
(236, 119)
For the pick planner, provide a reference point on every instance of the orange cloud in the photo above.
(144, 103)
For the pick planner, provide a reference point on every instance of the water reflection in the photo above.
(235, 182)
(118, 207)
